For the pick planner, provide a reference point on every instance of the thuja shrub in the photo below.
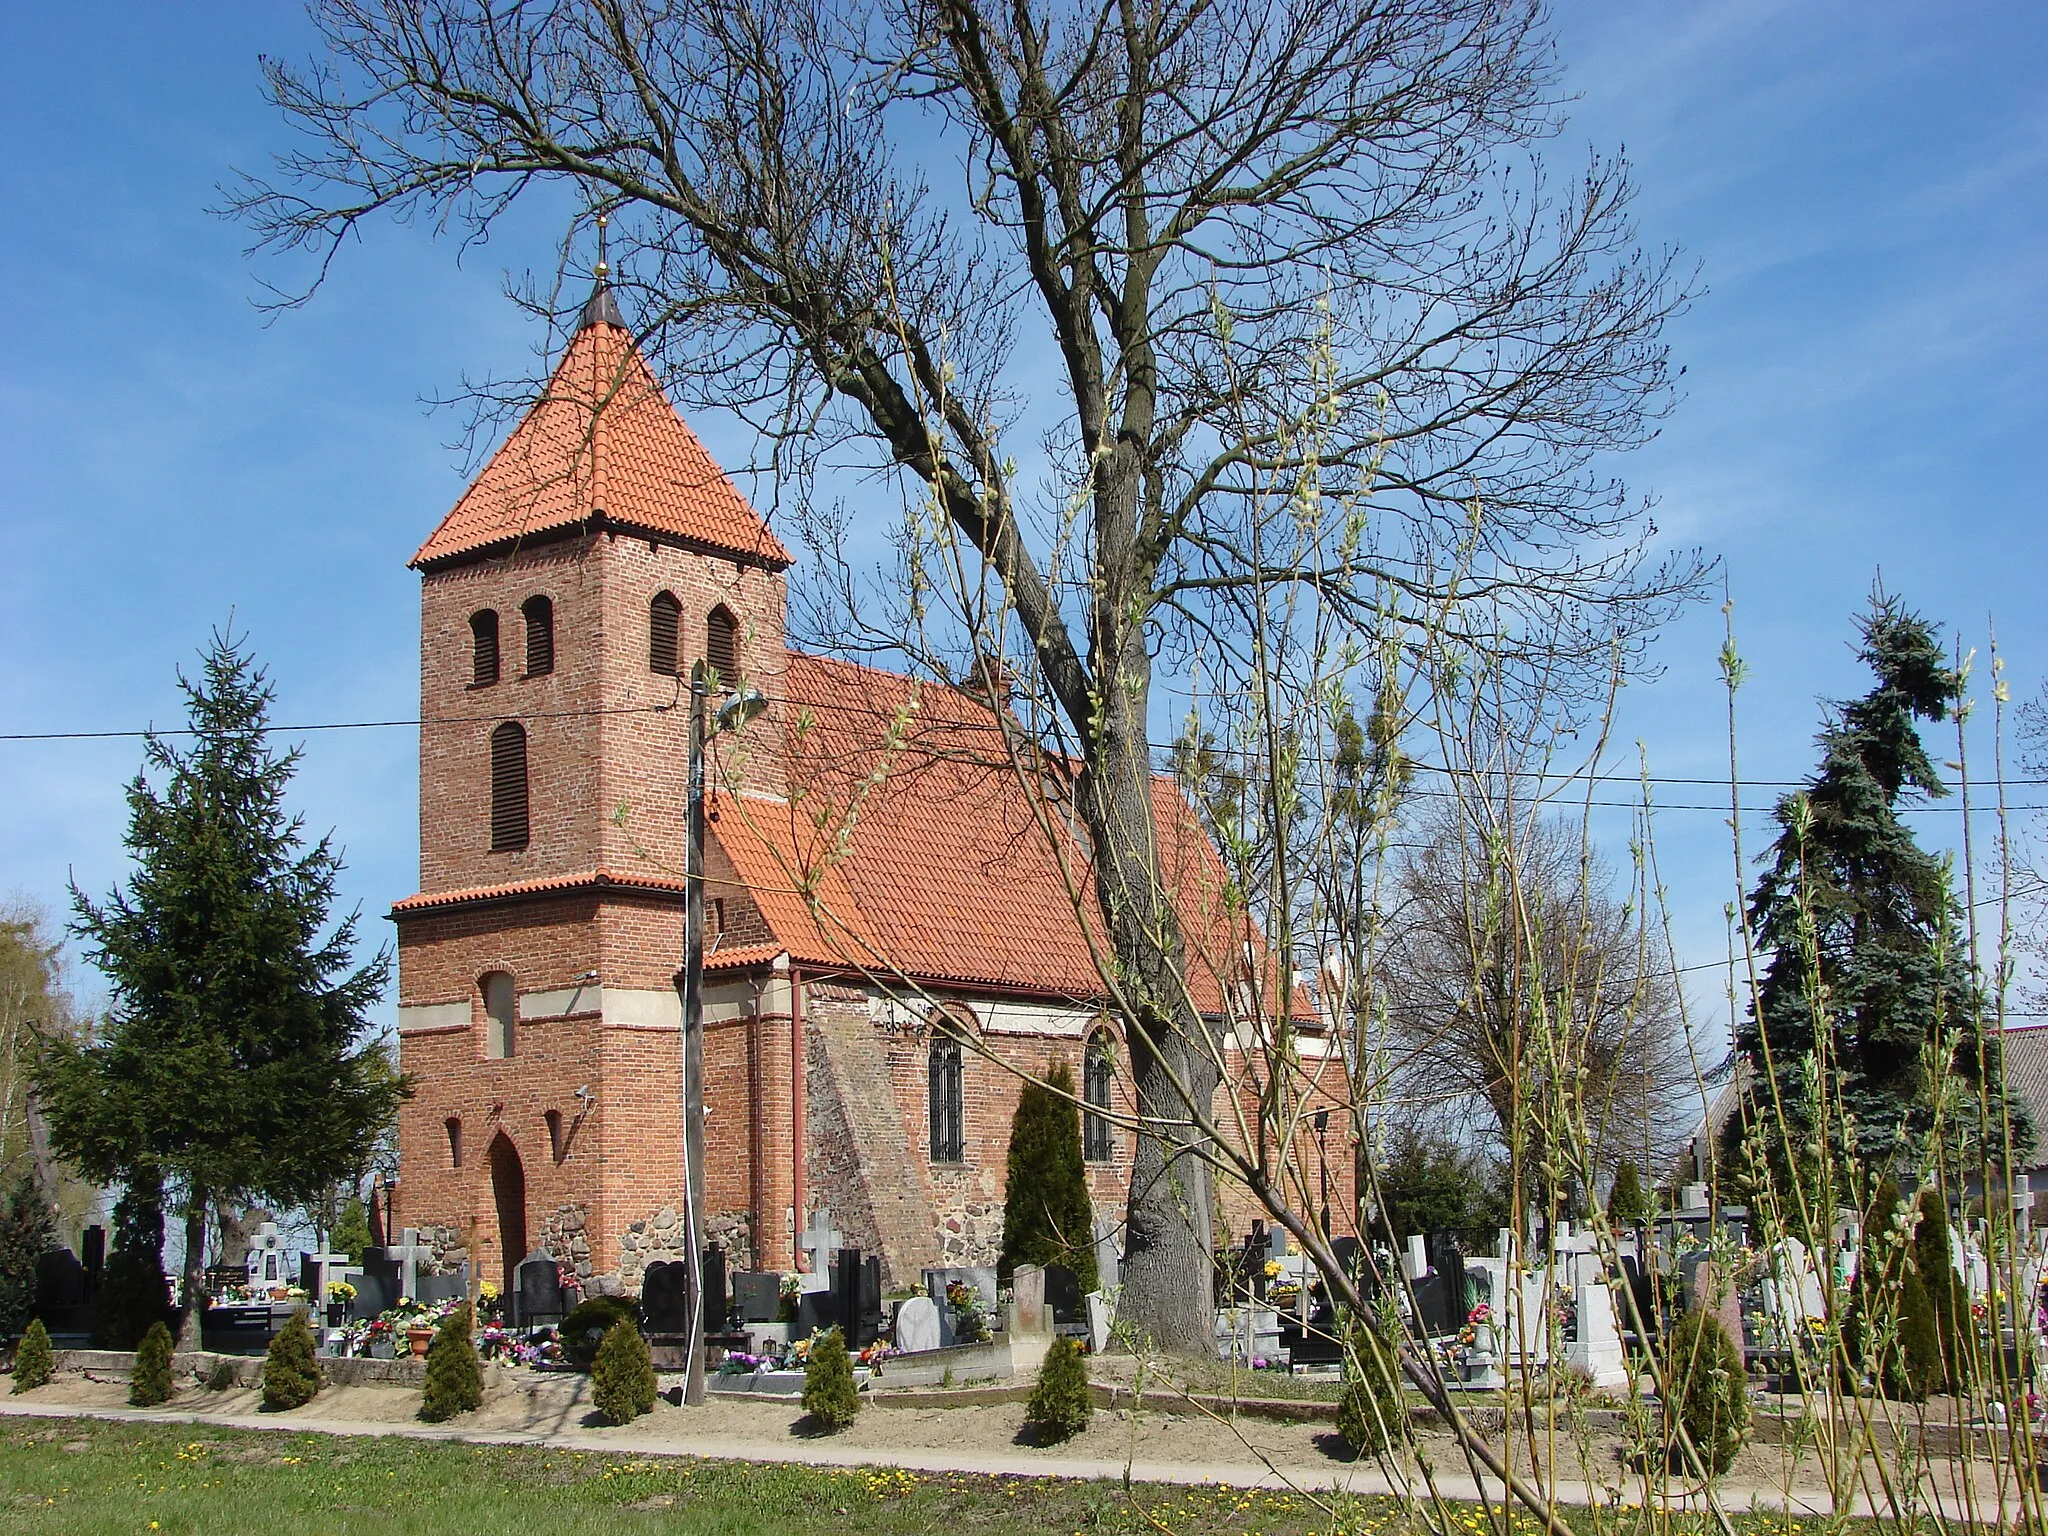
(587, 1324)
(1953, 1326)
(1370, 1409)
(290, 1373)
(34, 1364)
(1709, 1390)
(622, 1376)
(829, 1395)
(1060, 1407)
(455, 1380)
(149, 1382)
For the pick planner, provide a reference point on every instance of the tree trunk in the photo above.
(1167, 1287)
(195, 1270)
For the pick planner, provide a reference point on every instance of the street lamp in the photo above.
(743, 706)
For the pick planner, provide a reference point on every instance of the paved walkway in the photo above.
(1363, 1479)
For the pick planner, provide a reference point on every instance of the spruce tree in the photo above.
(1047, 1215)
(455, 1380)
(291, 1374)
(134, 1291)
(34, 1363)
(1847, 892)
(27, 1232)
(236, 1062)
(149, 1379)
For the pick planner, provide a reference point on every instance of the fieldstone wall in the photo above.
(450, 1250)
(565, 1236)
(660, 1239)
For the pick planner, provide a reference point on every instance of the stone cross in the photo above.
(408, 1253)
(820, 1242)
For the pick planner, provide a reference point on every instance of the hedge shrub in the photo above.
(829, 1395)
(622, 1376)
(290, 1373)
(455, 1379)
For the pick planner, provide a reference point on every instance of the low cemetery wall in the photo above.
(188, 1365)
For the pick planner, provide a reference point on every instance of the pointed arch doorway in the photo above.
(508, 1192)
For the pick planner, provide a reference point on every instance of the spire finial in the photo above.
(604, 268)
(601, 308)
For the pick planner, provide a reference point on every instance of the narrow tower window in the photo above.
(946, 1082)
(664, 619)
(508, 788)
(722, 645)
(1098, 1071)
(539, 613)
(453, 1125)
(501, 1016)
(483, 653)
(556, 1146)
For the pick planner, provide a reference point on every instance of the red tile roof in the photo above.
(602, 444)
(547, 885)
(911, 845)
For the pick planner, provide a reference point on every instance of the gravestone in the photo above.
(716, 1303)
(665, 1298)
(857, 1297)
(1028, 1314)
(758, 1295)
(539, 1280)
(1713, 1293)
(93, 1255)
(820, 1242)
(1596, 1349)
(1447, 1258)
(1415, 1257)
(1108, 1261)
(814, 1310)
(917, 1325)
(60, 1279)
(377, 1290)
(1099, 1322)
(980, 1276)
(1062, 1295)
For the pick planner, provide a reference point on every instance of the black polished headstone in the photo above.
(60, 1279)
(814, 1310)
(92, 1253)
(856, 1323)
(1062, 1294)
(716, 1303)
(665, 1298)
(540, 1289)
(758, 1296)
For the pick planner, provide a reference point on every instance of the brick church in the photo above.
(891, 915)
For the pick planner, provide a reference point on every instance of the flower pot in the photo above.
(337, 1313)
(419, 1338)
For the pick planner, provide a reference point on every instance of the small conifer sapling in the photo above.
(290, 1373)
(455, 1382)
(149, 1382)
(1060, 1407)
(34, 1364)
(622, 1375)
(829, 1395)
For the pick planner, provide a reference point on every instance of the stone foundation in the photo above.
(660, 1239)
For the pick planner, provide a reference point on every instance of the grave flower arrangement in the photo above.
(1476, 1319)
(792, 1294)
(340, 1292)
(970, 1326)
(873, 1355)
(489, 1303)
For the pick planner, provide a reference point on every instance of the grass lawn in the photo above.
(81, 1475)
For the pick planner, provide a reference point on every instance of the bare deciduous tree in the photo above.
(1254, 244)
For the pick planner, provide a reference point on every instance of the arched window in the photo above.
(453, 1125)
(539, 613)
(508, 788)
(664, 622)
(1098, 1071)
(722, 644)
(483, 648)
(946, 1080)
(501, 1016)
(556, 1146)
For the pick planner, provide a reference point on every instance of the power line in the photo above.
(1552, 782)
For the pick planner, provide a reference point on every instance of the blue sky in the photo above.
(1864, 186)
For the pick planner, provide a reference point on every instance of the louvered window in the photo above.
(539, 613)
(1098, 1071)
(947, 1080)
(722, 645)
(664, 620)
(483, 653)
(508, 788)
